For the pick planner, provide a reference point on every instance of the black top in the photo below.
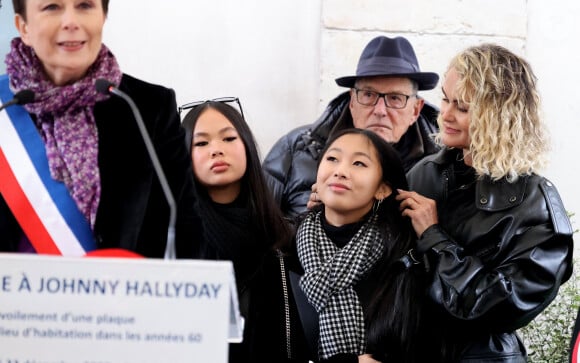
(272, 331)
(342, 235)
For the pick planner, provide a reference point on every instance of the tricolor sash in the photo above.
(43, 207)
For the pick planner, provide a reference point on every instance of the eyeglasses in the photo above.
(220, 99)
(392, 100)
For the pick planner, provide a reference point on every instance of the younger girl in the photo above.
(355, 251)
(241, 223)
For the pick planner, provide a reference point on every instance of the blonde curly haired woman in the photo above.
(493, 232)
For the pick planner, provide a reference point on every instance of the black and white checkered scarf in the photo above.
(330, 276)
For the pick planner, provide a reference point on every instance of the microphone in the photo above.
(20, 98)
(105, 87)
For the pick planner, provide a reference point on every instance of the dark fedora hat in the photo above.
(395, 57)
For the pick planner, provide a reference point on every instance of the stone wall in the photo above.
(437, 30)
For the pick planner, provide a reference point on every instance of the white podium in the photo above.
(109, 310)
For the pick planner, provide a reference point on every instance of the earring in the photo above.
(377, 205)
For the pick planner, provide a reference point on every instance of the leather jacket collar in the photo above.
(490, 195)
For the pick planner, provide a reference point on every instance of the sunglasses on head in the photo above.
(194, 104)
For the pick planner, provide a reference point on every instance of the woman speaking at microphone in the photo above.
(101, 190)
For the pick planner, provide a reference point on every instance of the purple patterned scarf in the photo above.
(64, 117)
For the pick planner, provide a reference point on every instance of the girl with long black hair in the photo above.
(356, 251)
(242, 223)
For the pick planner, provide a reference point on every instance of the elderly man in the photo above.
(382, 98)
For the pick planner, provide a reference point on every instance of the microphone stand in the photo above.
(170, 247)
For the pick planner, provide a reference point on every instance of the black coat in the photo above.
(290, 166)
(273, 331)
(133, 213)
(496, 259)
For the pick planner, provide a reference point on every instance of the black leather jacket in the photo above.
(290, 166)
(496, 259)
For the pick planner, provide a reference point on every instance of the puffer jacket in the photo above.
(290, 166)
(496, 258)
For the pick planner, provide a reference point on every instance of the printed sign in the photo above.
(108, 310)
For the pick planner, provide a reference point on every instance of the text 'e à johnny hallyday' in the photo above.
(92, 286)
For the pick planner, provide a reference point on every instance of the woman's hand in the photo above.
(313, 200)
(367, 358)
(421, 210)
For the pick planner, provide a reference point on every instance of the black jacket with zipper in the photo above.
(496, 258)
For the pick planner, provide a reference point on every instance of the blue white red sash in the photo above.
(42, 206)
